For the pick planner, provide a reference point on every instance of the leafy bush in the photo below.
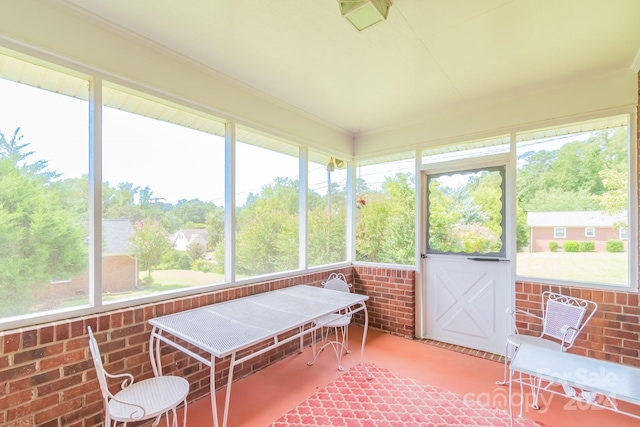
(175, 260)
(184, 262)
(614, 245)
(202, 265)
(587, 246)
(553, 246)
(571, 246)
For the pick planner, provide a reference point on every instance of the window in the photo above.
(163, 196)
(559, 232)
(267, 205)
(385, 218)
(466, 212)
(623, 233)
(43, 188)
(574, 175)
(327, 210)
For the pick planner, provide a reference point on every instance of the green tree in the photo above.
(214, 223)
(119, 202)
(40, 239)
(267, 230)
(385, 224)
(398, 246)
(522, 230)
(443, 216)
(327, 221)
(193, 213)
(149, 243)
(556, 199)
(614, 201)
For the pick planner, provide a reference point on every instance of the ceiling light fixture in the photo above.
(364, 13)
(331, 166)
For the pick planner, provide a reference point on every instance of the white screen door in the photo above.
(468, 275)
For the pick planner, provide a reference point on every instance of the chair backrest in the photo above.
(97, 362)
(564, 317)
(337, 282)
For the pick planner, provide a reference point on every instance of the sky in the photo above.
(174, 161)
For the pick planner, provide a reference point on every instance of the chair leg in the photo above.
(184, 421)
(346, 339)
(506, 362)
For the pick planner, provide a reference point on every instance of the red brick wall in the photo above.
(392, 298)
(47, 377)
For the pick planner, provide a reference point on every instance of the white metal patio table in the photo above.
(225, 328)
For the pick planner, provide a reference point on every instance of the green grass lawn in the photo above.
(598, 267)
(167, 280)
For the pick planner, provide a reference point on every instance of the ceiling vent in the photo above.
(364, 13)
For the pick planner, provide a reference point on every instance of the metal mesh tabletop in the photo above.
(224, 328)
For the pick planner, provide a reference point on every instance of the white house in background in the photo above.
(592, 226)
(186, 237)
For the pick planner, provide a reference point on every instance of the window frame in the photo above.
(604, 118)
(556, 232)
(589, 232)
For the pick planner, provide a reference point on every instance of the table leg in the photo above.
(364, 338)
(212, 388)
(228, 394)
(511, 396)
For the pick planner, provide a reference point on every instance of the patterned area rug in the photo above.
(390, 400)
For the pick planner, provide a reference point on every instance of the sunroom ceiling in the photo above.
(429, 58)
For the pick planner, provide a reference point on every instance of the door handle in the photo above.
(487, 259)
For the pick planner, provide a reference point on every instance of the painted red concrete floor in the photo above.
(260, 399)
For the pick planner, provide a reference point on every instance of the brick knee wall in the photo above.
(47, 377)
(392, 298)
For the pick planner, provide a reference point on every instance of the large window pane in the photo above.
(43, 189)
(572, 195)
(385, 218)
(267, 205)
(163, 197)
(327, 210)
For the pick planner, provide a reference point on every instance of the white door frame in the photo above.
(505, 159)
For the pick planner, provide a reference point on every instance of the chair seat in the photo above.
(516, 340)
(154, 394)
(334, 320)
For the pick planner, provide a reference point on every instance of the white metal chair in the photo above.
(336, 322)
(143, 400)
(563, 318)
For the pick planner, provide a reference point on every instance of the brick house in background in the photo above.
(120, 268)
(559, 227)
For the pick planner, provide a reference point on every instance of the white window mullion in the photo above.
(95, 192)
(351, 212)
(230, 202)
(303, 189)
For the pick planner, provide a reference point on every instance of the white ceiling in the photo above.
(429, 58)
